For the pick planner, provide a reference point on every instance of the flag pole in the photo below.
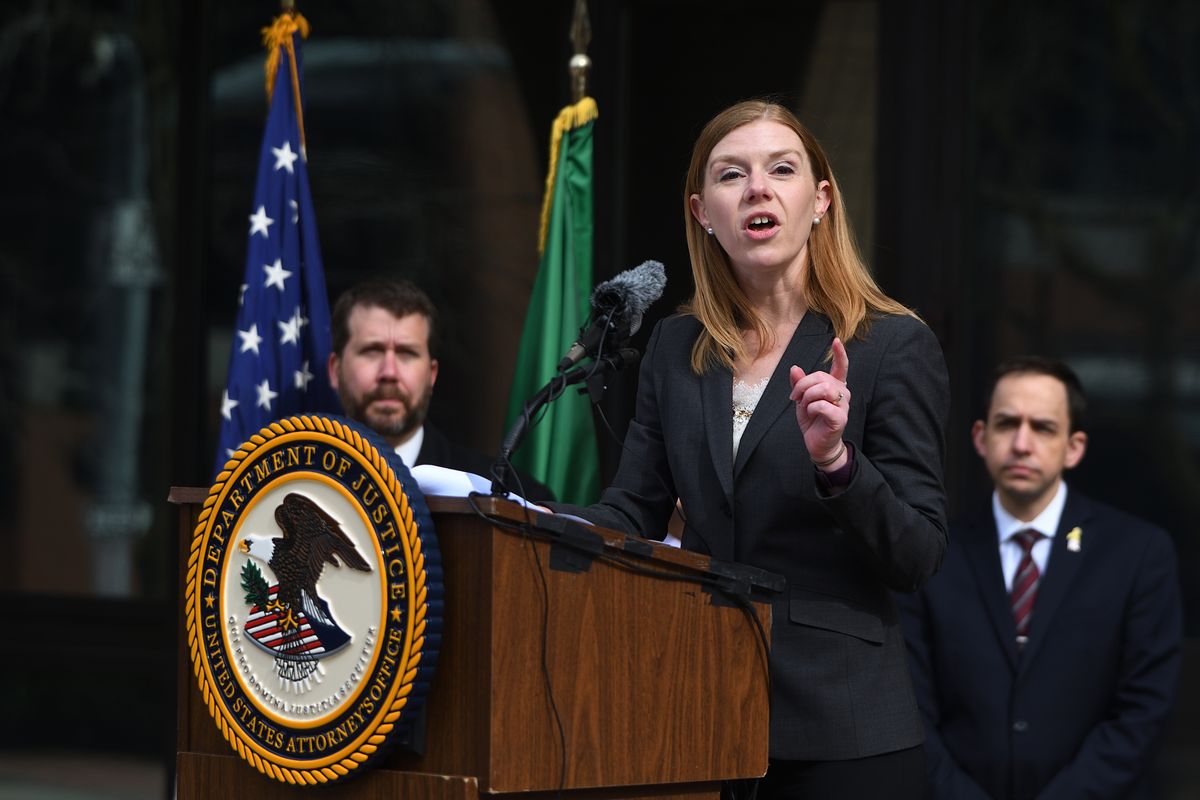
(581, 37)
(561, 451)
(283, 339)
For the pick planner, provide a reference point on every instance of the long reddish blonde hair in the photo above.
(837, 282)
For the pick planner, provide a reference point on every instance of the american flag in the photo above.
(282, 342)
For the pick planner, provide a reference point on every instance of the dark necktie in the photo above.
(1025, 584)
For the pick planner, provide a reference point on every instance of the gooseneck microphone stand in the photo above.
(593, 373)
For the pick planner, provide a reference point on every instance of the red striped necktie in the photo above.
(1025, 584)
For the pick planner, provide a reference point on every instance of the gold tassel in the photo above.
(279, 34)
(568, 119)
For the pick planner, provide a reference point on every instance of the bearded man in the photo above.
(384, 369)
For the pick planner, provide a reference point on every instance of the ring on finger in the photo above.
(838, 400)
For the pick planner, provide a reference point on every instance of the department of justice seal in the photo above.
(313, 599)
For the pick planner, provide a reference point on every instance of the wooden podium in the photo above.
(659, 682)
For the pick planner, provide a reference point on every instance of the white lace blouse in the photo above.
(745, 400)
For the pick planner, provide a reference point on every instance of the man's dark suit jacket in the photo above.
(439, 451)
(1079, 711)
(839, 683)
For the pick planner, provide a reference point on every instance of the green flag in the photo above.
(560, 450)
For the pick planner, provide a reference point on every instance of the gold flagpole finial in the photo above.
(277, 36)
(581, 36)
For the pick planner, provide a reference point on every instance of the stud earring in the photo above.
(710, 230)
(816, 220)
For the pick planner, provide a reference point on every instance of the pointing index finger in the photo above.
(840, 367)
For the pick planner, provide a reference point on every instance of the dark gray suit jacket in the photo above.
(840, 686)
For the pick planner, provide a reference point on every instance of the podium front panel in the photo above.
(659, 690)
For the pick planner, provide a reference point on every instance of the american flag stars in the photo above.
(260, 222)
(265, 395)
(284, 157)
(302, 376)
(282, 327)
(228, 404)
(289, 331)
(250, 339)
(276, 275)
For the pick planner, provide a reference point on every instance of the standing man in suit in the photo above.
(383, 369)
(1045, 653)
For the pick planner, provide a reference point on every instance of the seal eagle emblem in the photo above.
(313, 599)
(290, 619)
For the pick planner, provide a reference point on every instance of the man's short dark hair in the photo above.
(1040, 365)
(398, 296)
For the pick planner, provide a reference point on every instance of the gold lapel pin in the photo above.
(1074, 539)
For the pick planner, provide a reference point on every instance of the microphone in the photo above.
(617, 308)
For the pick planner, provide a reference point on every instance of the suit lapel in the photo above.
(717, 394)
(435, 448)
(813, 337)
(1061, 569)
(981, 547)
